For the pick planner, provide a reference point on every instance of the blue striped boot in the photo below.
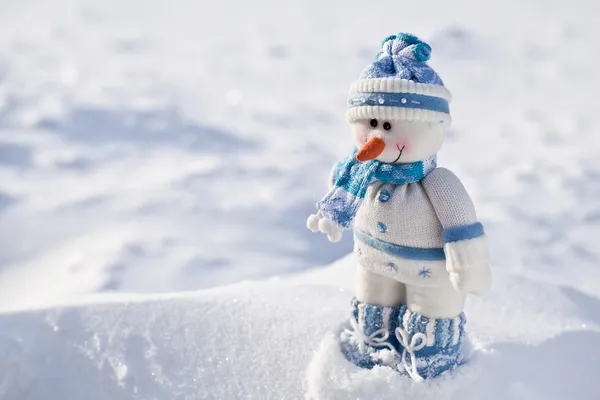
(428, 347)
(415, 345)
(371, 341)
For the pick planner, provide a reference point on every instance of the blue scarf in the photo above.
(352, 178)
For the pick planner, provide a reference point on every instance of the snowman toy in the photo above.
(419, 245)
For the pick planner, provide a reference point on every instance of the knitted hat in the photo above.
(400, 85)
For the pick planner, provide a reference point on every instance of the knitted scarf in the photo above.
(352, 178)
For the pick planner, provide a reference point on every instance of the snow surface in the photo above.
(164, 146)
(275, 340)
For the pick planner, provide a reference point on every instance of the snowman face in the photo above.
(400, 141)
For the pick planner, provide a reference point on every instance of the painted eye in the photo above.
(373, 123)
(387, 126)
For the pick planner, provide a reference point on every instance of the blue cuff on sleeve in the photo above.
(462, 232)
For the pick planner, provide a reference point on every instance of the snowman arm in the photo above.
(318, 222)
(449, 198)
(465, 241)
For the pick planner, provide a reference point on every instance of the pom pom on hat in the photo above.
(406, 45)
(403, 56)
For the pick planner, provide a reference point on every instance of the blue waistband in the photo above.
(404, 100)
(409, 253)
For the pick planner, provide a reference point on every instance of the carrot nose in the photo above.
(370, 150)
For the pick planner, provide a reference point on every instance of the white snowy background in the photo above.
(170, 151)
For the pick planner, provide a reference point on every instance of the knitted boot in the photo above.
(421, 347)
(371, 341)
(428, 347)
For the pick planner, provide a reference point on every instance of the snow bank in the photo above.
(248, 340)
(276, 340)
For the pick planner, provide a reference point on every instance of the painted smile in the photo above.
(399, 155)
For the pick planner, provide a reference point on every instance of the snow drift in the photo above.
(276, 339)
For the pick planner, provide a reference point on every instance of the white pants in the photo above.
(433, 302)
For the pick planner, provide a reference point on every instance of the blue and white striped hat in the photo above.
(400, 85)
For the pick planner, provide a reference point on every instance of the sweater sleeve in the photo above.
(453, 206)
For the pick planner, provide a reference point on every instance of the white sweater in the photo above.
(414, 215)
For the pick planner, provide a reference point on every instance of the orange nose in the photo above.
(371, 149)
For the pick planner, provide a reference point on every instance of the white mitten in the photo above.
(467, 264)
(319, 223)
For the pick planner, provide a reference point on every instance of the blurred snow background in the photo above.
(161, 146)
(154, 146)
